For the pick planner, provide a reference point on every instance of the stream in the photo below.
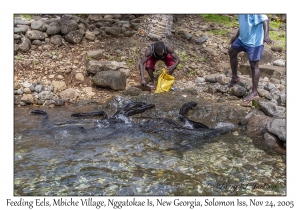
(127, 159)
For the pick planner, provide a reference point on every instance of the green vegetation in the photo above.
(182, 55)
(89, 58)
(278, 38)
(220, 19)
(20, 57)
(274, 24)
(179, 66)
(28, 16)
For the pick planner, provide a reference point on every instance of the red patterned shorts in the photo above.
(151, 61)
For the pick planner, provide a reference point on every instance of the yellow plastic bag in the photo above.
(164, 83)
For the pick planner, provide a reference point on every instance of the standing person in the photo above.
(253, 32)
(157, 51)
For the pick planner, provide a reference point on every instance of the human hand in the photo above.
(170, 69)
(232, 40)
(268, 40)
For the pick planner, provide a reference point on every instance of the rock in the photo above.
(17, 99)
(68, 25)
(199, 80)
(34, 34)
(223, 80)
(132, 91)
(271, 109)
(115, 31)
(269, 86)
(20, 30)
(37, 42)
(95, 54)
(58, 86)
(188, 36)
(262, 92)
(56, 39)
(38, 25)
(274, 143)
(279, 62)
(25, 44)
(253, 112)
(112, 79)
(74, 37)
(26, 84)
(257, 125)
(89, 91)
(277, 48)
(238, 90)
(68, 95)
(53, 28)
(212, 77)
(201, 40)
(27, 90)
(282, 99)
(125, 71)
(275, 81)
(128, 33)
(45, 95)
(96, 66)
(277, 126)
(79, 76)
(90, 35)
(39, 88)
(28, 99)
(59, 102)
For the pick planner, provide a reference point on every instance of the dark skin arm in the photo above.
(266, 32)
(234, 38)
(171, 69)
(141, 66)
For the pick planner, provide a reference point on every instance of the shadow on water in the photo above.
(67, 156)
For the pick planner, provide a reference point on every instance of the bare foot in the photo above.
(233, 81)
(251, 97)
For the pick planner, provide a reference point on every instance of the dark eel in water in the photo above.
(183, 111)
(100, 113)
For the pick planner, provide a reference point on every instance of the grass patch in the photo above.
(27, 16)
(278, 38)
(274, 24)
(220, 19)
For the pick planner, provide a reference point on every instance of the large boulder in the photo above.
(277, 126)
(34, 34)
(53, 28)
(38, 25)
(111, 79)
(271, 109)
(25, 44)
(257, 125)
(74, 37)
(68, 25)
(115, 31)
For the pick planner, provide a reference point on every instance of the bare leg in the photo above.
(150, 72)
(255, 79)
(233, 64)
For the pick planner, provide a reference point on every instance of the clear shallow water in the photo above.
(125, 159)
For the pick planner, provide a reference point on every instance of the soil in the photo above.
(39, 63)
